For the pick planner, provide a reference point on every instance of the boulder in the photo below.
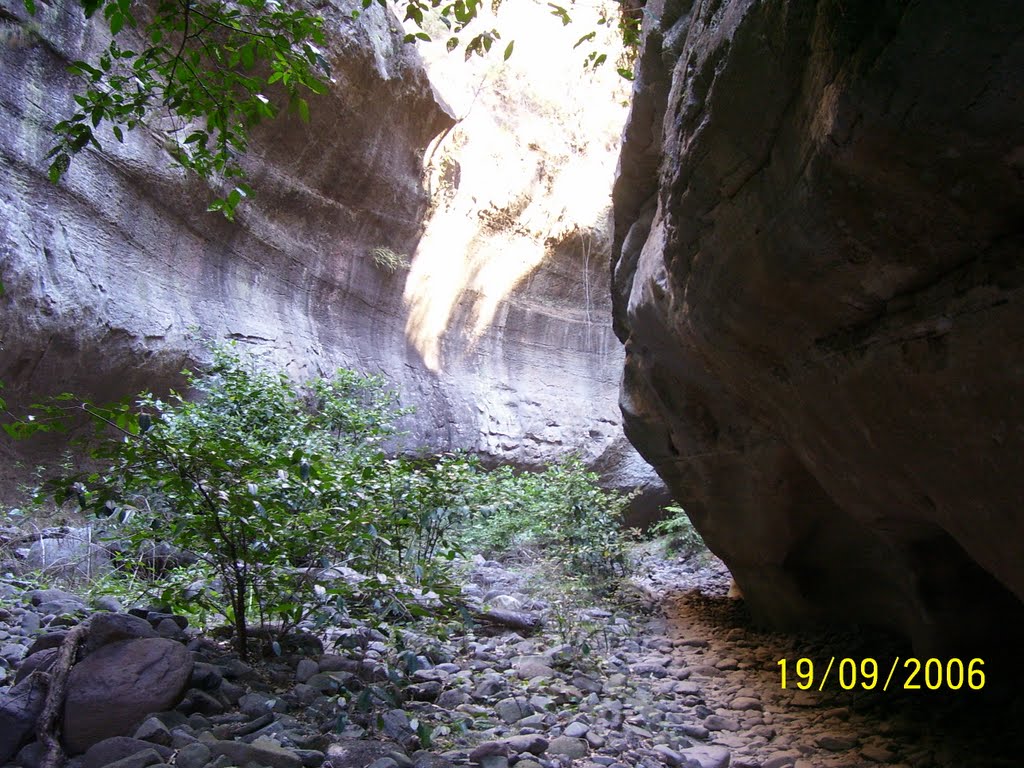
(119, 747)
(260, 752)
(19, 709)
(73, 555)
(106, 628)
(111, 691)
(42, 661)
(818, 278)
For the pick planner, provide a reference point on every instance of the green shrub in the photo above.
(294, 510)
(272, 486)
(561, 510)
(681, 537)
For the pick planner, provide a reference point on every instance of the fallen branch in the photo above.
(48, 727)
(520, 622)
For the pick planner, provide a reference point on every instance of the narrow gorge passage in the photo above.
(762, 272)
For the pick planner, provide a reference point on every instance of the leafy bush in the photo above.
(294, 511)
(682, 537)
(284, 493)
(562, 510)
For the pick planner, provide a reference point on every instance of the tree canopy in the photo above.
(213, 69)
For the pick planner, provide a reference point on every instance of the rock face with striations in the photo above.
(498, 335)
(818, 276)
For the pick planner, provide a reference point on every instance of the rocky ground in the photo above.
(668, 673)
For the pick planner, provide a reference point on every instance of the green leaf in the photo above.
(118, 134)
(316, 86)
(59, 166)
(561, 13)
(589, 36)
(30, 6)
(508, 50)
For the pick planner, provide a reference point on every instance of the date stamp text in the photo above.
(910, 674)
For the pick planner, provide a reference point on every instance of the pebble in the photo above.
(568, 746)
(576, 730)
(536, 702)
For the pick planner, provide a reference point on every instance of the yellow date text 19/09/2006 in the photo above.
(908, 674)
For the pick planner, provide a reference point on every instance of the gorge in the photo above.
(778, 278)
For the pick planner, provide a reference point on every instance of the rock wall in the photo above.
(109, 273)
(818, 278)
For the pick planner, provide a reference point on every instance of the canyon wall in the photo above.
(114, 275)
(818, 277)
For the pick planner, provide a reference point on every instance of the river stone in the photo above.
(194, 755)
(154, 731)
(30, 756)
(488, 749)
(513, 709)
(396, 725)
(112, 690)
(119, 747)
(531, 742)
(305, 669)
(13, 652)
(39, 596)
(74, 555)
(41, 661)
(708, 756)
(531, 668)
(262, 752)
(356, 753)
(452, 698)
(106, 628)
(720, 723)
(19, 709)
(138, 760)
(670, 756)
(576, 730)
(568, 746)
(49, 640)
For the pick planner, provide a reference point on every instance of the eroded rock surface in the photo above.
(817, 275)
(499, 333)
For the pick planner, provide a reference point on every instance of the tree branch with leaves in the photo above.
(214, 69)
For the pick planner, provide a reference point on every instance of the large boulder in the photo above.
(818, 277)
(112, 690)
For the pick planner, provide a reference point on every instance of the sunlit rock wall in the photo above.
(500, 339)
(508, 295)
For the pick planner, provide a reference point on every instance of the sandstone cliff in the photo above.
(500, 340)
(818, 277)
